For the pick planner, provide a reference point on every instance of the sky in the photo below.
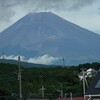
(85, 13)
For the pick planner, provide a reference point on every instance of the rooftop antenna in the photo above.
(19, 78)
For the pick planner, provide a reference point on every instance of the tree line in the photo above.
(54, 79)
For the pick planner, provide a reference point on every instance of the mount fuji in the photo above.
(45, 33)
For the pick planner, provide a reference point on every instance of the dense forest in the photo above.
(53, 79)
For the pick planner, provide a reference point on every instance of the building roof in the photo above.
(36, 99)
(94, 88)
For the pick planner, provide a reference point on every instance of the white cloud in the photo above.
(12, 57)
(44, 59)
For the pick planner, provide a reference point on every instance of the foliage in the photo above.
(52, 78)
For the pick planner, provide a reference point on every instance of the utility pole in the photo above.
(42, 91)
(61, 93)
(19, 78)
(65, 95)
(83, 83)
(3, 55)
(71, 96)
(63, 62)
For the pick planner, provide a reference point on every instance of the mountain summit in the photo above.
(46, 33)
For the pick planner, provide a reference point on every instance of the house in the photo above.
(88, 73)
(93, 92)
(91, 72)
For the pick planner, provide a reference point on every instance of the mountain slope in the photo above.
(46, 33)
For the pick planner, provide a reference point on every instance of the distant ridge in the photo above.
(43, 33)
(26, 64)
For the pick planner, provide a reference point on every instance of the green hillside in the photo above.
(33, 78)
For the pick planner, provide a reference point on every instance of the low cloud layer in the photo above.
(12, 57)
(44, 59)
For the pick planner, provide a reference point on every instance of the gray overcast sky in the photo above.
(85, 13)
